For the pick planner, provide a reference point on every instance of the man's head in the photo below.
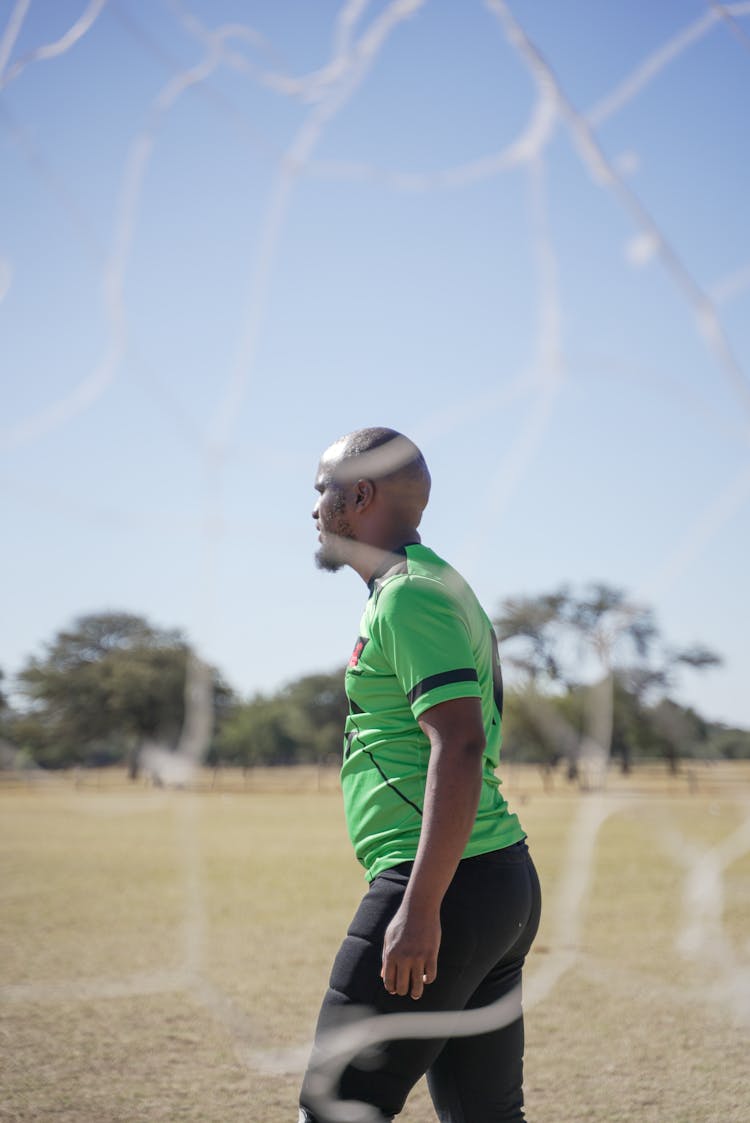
(373, 486)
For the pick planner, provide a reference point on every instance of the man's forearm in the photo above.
(454, 782)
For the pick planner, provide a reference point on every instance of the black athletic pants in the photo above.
(489, 917)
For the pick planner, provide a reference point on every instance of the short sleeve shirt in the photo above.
(424, 639)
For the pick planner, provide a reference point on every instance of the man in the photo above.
(454, 902)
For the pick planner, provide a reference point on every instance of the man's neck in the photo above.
(371, 561)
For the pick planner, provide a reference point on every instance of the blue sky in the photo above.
(234, 231)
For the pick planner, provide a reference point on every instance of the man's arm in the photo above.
(454, 780)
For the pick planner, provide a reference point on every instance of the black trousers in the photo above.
(489, 917)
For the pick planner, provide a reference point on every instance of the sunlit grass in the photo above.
(163, 952)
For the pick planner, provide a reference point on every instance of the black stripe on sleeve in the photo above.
(463, 674)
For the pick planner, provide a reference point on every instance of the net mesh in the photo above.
(361, 34)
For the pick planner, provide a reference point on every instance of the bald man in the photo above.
(453, 902)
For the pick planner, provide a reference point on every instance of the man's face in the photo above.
(334, 530)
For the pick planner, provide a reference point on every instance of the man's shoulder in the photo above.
(418, 579)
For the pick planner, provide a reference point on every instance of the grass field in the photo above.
(164, 952)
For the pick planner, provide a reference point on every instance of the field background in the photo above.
(164, 952)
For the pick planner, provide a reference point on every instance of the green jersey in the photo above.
(424, 639)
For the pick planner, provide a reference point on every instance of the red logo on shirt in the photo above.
(358, 649)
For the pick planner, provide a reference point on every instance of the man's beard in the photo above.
(334, 551)
(331, 563)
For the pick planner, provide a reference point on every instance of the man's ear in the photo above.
(364, 492)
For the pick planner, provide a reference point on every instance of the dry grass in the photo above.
(164, 953)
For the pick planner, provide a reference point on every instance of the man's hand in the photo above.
(410, 950)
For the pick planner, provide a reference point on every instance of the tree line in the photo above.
(582, 668)
(592, 668)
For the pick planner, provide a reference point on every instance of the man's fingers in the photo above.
(420, 980)
(406, 977)
(395, 976)
(388, 975)
(403, 977)
(417, 984)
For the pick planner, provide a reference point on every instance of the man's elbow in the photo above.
(475, 743)
(473, 733)
(468, 748)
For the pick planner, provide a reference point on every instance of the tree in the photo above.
(554, 638)
(103, 688)
(5, 710)
(317, 708)
(728, 743)
(597, 660)
(304, 721)
(7, 753)
(675, 731)
(535, 622)
(256, 732)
